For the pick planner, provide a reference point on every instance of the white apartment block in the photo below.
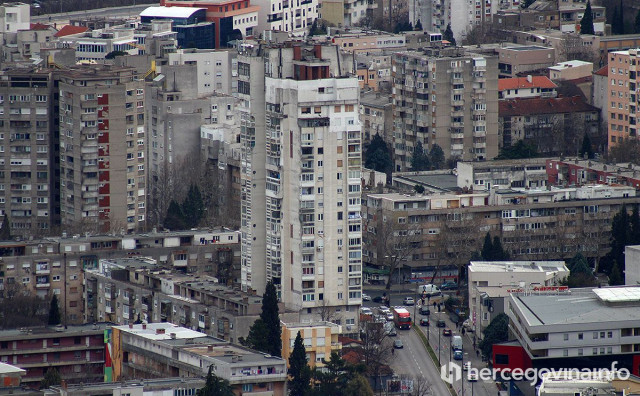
(217, 70)
(94, 45)
(292, 16)
(14, 17)
(301, 223)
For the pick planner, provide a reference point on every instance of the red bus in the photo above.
(401, 318)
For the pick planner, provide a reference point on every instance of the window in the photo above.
(566, 337)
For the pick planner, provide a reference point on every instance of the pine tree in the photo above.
(498, 252)
(299, 371)
(620, 230)
(377, 156)
(193, 207)
(418, 25)
(419, 159)
(636, 24)
(54, 312)
(271, 317)
(314, 27)
(5, 229)
(215, 386)
(448, 35)
(615, 277)
(586, 147)
(436, 155)
(51, 378)
(586, 24)
(487, 248)
(615, 27)
(257, 337)
(174, 220)
(358, 386)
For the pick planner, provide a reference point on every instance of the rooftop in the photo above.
(517, 266)
(9, 369)
(603, 71)
(162, 331)
(54, 331)
(569, 64)
(435, 180)
(170, 12)
(375, 99)
(70, 30)
(580, 306)
(527, 48)
(537, 106)
(525, 82)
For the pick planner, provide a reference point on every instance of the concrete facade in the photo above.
(622, 101)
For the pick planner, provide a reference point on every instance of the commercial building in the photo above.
(190, 23)
(301, 178)
(622, 98)
(232, 18)
(103, 167)
(320, 340)
(28, 151)
(534, 224)
(465, 87)
(491, 281)
(160, 350)
(77, 352)
(554, 126)
(147, 387)
(579, 328)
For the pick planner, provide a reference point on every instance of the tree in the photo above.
(418, 188)
(418, 25)
(496, 332)
(299, 371)
(620, 237)
(257, 337)
(615, 276)
(419, 159)
(51, 378)
(54, 312)
(634, 226)
(375, 350)
(497, 252)
(580, 274)
(5, 229)
(317, 28)
(215, 386)
(518, 151)
(586, 148)
(333, 378)
(358, 386)
(586, 24)
(626, 151)
(271, 317)
(192, 207)
(636, 23)
(487, 248)
(113, 54)
(436, 155)
(617, 22)
(448, 35)
(174, 220)
(377, 156)
(395, 243)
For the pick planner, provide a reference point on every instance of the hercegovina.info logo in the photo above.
(452, 372)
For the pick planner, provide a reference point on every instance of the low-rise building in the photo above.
(632, 265)
(579, 172)
(77, 352)
(526, 87)
(147, 387)
(502, 174)
(320, 340)
(570, 70)
(516, 59)
(160, 350)
(491, 281)
(578, 328)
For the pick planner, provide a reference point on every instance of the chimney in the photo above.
(144, 326)
(297, 53)
(159, 331)
(317, 51)
(529, 78)
(173, 336)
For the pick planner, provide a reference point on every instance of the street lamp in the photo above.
(439, 347)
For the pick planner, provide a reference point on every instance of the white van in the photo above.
(429, 289)
(457, 343)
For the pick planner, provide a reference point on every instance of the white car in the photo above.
(408, 301)
(366, 311)
(467, 366)
(389, 316)
(366, 297)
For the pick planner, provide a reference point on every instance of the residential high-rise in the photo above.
(301, 162)
(447, 97)
(102, 149)
(623, 99)
(28, 139)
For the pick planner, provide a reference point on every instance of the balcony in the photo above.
(43, 285)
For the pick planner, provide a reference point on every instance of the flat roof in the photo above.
(169, 12)
(517, 266)
(618, 294)
(150, 331)
(569, 64)
(581, 306)
(9, 369)
(53, 331)
(528, 48)
(445, 182)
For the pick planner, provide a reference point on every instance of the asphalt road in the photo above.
(63, 18)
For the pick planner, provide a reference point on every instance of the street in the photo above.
(113, 12)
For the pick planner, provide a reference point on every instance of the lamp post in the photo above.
(439, 347)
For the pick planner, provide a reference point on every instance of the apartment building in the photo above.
(622, 103)
(368, 41)
(578, 328)
(632, 265)
(77, 352)
(229, 16)
(301, 181)
(170, 386)
(28, 151)
(103, 167)
(94, 45)
(534, 224)
(190, 24)
(217, 71)
(159, 350)
(570, 70)
(578, 172)
(320, 340)
(293, 17)
(492, 281)
(376, 116)
(554, 126)
(502, 174)
(447, 97)
(15, 16)
(516, 60)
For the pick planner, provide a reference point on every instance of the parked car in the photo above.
(466, 366)
(424, 310)
(408, 301)
(446, 332)
(424, 322)
(398, 344)
(366, 311)
(441, 323)
(457, 355)
(377, 299)
(449, 286)
(389, 316)
(467, 325)
(366, 297)
(392, 332)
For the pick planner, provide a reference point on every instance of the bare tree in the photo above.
(376, 349)
(573, 48)
(485, 33)
(19, 307)
(327, 312)
(421, 385)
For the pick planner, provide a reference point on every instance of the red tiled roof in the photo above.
(603, 71)
(523, 82)
(39, 26)
(533, 106)
(69, 30)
